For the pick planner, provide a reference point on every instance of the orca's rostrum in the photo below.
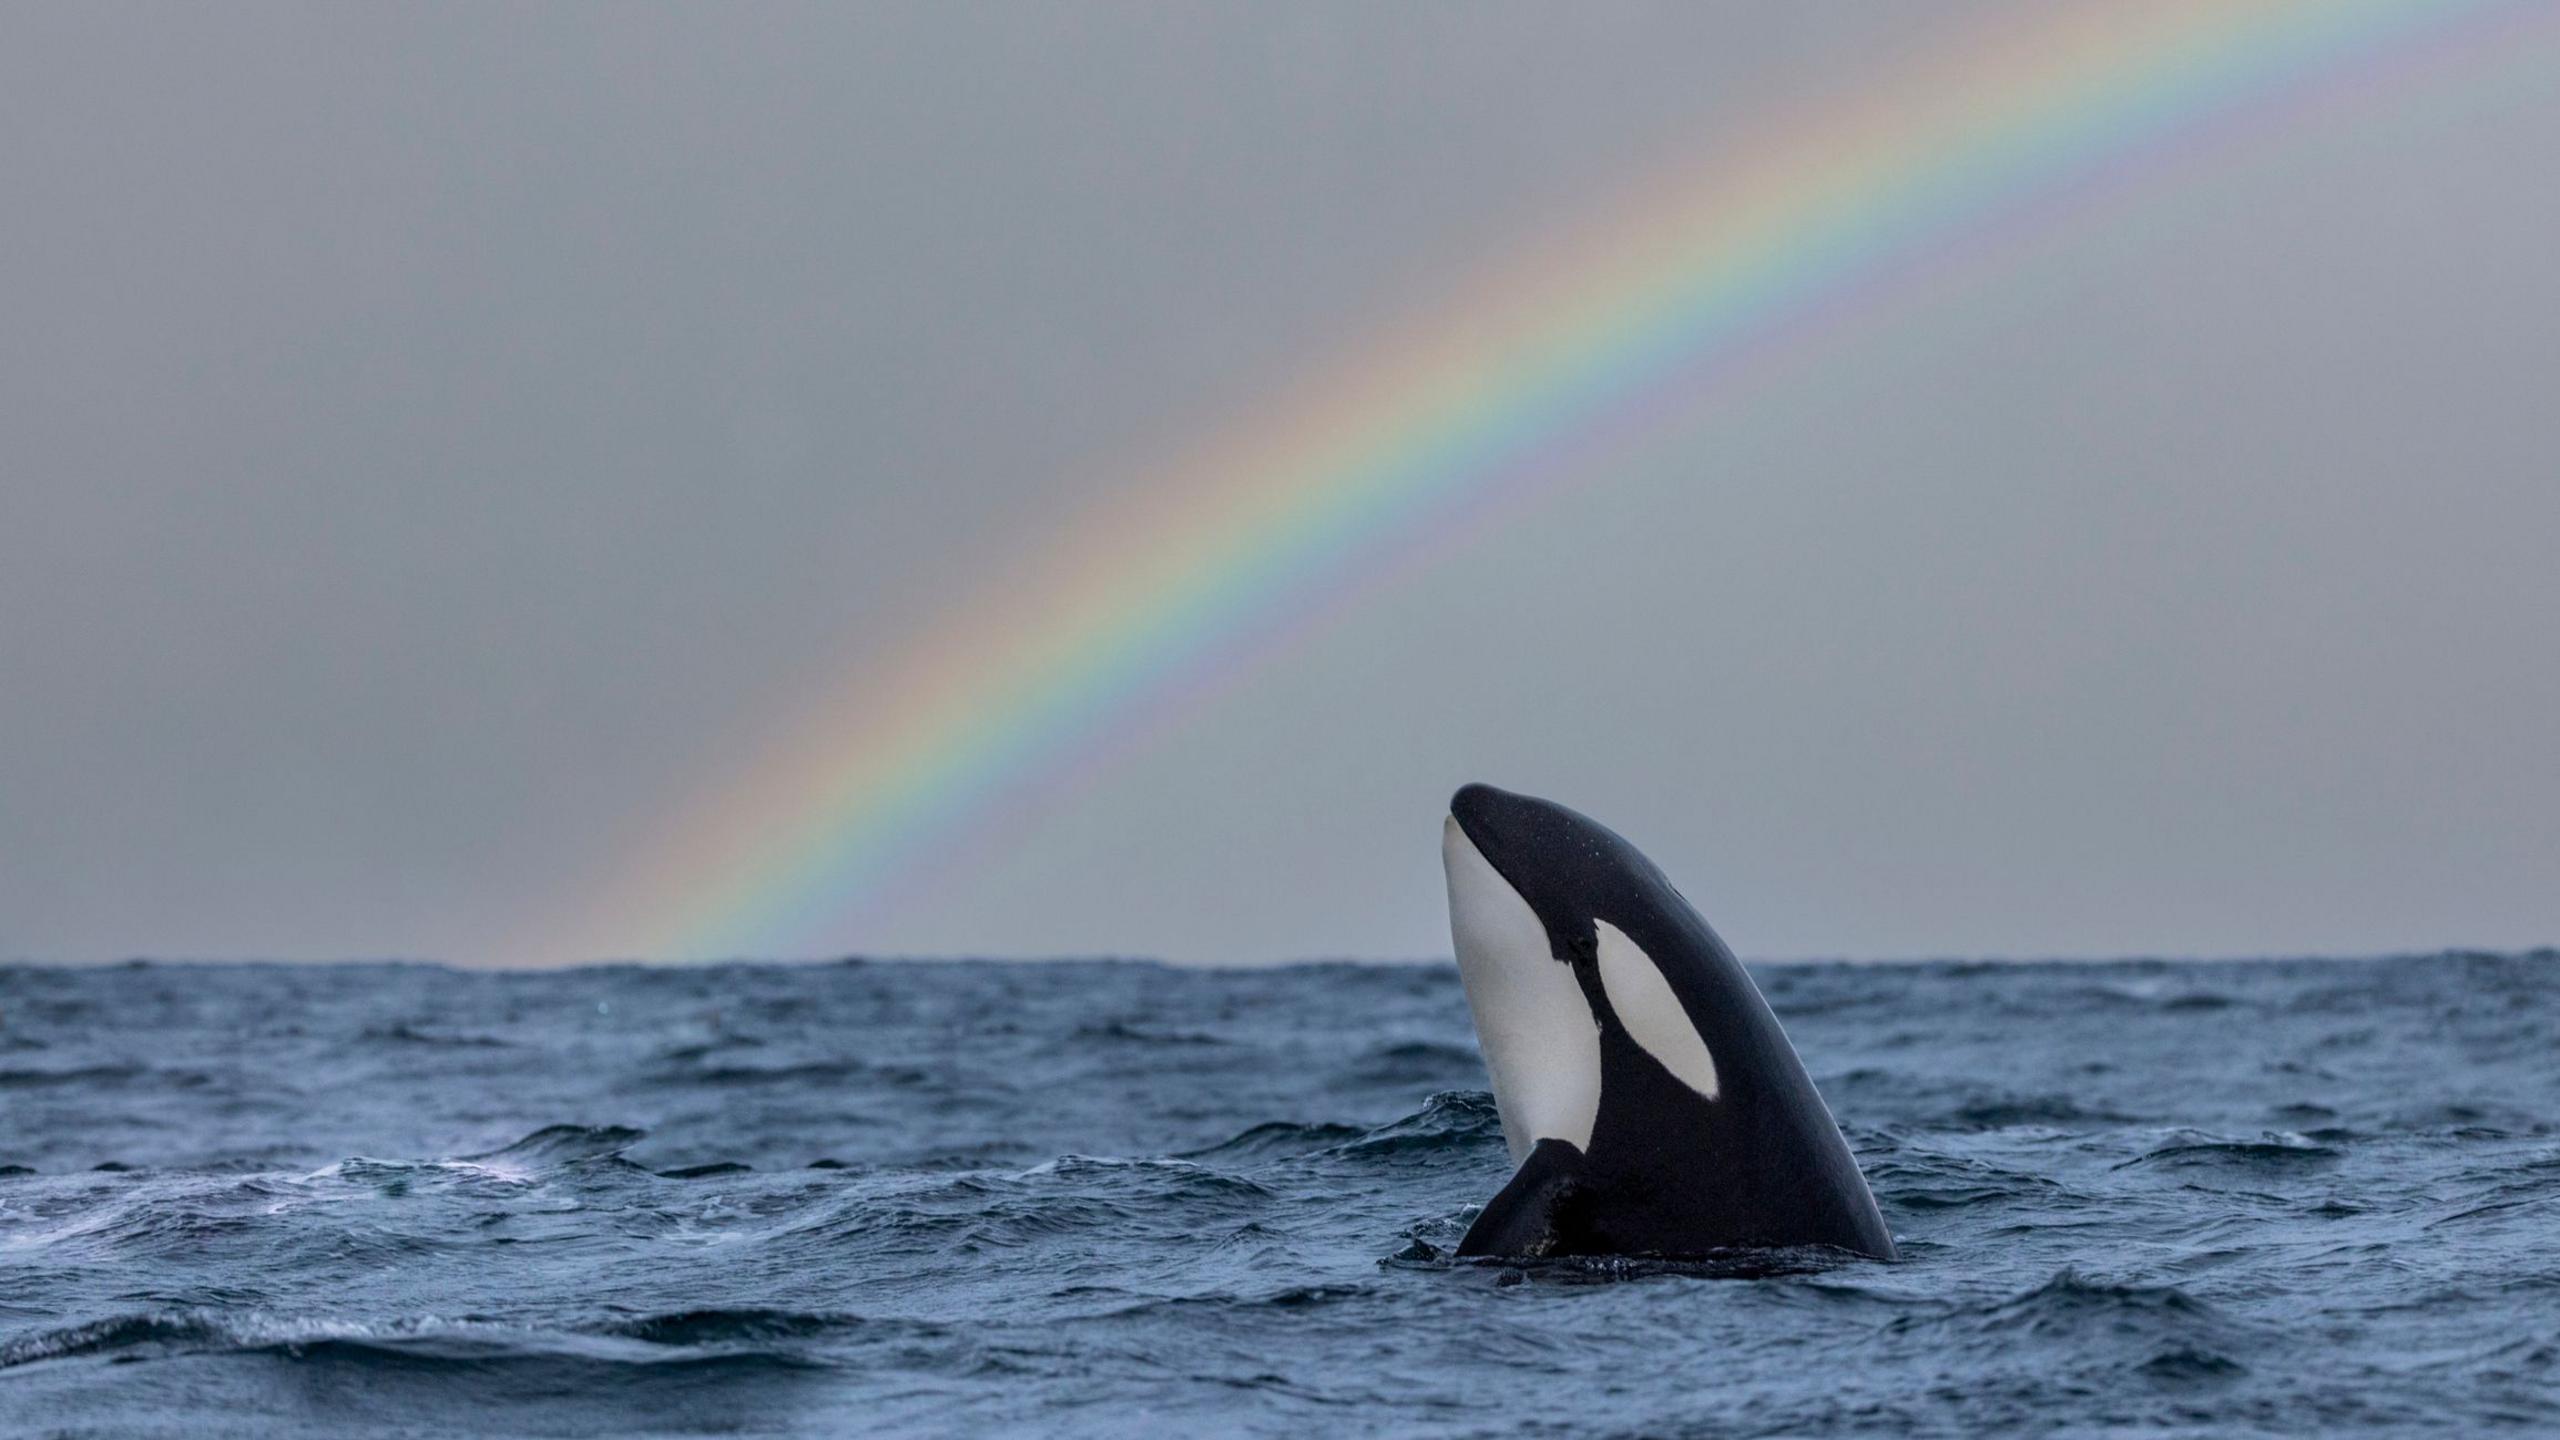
(1650, 1099)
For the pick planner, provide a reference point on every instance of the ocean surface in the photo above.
(2280, 1198)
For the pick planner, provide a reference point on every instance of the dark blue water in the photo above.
(1110, 1199)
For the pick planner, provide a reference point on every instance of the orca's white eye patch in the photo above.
(1651, 1012)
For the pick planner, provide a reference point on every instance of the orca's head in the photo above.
(1558, 861)
(1541, 899)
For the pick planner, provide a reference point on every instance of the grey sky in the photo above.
(438, 439)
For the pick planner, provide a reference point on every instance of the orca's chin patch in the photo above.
(1541, 1044)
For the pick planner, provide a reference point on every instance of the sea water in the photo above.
(1110, 1199)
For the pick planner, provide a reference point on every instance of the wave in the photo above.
(548, 1364)
(2159, 1331)
(109, 1336)
(1409, 1062)
(707, 1171)
(810, 1072)
(2053, 1111)
(2273, 1151)
(679, 1337)
(2167, 993)
(1226, 1302)
(83, 1075)
(402, 1033)
(559, 1144)
(2069, 1294)
(1911, 1178)
(1164, 1179)
(706, 1328)
(1123, 1030)
(1276, 1138)
(727, 1041)
(1449, 1122)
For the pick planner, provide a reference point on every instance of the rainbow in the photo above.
(1511, 389)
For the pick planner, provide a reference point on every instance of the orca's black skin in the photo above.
(1668, 1172)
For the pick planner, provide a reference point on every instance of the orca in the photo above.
(1650, 1100)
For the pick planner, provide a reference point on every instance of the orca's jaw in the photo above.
(1541, 1043)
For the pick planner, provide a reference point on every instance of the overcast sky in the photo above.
(435, 441)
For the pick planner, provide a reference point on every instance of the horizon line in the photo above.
(2546, 951)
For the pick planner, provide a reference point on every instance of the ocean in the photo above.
(1109, 1199)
